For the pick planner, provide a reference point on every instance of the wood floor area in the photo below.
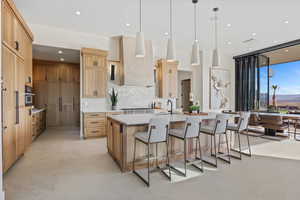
(60, 166)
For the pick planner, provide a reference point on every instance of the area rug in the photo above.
(287, 149)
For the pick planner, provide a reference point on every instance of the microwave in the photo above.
(28, 96)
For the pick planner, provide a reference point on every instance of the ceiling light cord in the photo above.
(195, 21)
(216, 30)
(140, 15)
(171, 18)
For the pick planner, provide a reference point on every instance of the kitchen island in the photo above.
(120, 138)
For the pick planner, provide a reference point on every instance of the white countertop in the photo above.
(143, 119)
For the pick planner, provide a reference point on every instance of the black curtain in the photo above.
(246, 82)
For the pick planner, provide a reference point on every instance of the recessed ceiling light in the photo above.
(62, 59)
(78, 12)
(254, 34)
(286, 50)
(250, 49)
(60, 52)
(286, 21)
(166, 33)
(127, 24)
(229, 43)
(275, 41)
(228, 25)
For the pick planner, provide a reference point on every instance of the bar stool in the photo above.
(190, 131)
(219, 128)
(238, 129)
(157, 133)
(297, 126)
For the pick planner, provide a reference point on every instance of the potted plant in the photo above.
(195, 108)
(114, 99)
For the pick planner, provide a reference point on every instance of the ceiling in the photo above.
(55, 54)
(268, 22)
(284, 55)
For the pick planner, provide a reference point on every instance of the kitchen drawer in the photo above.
(94, 122)
(94, 115)
(94, 132)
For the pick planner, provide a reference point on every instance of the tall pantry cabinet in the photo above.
(16, 73)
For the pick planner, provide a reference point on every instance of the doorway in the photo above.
(56, 84)
(185, 94)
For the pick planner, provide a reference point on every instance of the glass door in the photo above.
(263, 82)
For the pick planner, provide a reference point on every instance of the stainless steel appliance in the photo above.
(28, 96)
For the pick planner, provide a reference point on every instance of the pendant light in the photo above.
(140, 42)
(216, 58)
(195, 59)
(171, 53)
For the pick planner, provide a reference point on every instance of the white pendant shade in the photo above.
(195, 59)
(140, 45)
(171, 53)
(216, 58)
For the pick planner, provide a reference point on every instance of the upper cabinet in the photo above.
(94, 63)
(167, 77)
(128, 69)
(16, 33)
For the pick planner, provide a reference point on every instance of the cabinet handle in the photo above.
(73, 104)
(95, 93)
(17, 45)
(60, 104)
(17, 108)
(95, 131)
(94, 122)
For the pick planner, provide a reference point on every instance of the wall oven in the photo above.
(28, 96)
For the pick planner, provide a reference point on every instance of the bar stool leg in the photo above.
(249, 147)
(216, 154)
(185, 157)
(148, 152)
(168, 159)
(211, 147)
(228, 150)
(219, 144)
(240, 148)
(156, 153)
(200, 152)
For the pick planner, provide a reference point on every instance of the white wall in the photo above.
(58, 37)
(201, 79)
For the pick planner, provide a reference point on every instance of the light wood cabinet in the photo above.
(94, 73)
(59, 91)
(167, 77)
(94, 125)
(38, 124)
(17, 67)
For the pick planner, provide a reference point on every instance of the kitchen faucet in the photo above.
(170, 102)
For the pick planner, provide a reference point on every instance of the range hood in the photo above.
(133, 71)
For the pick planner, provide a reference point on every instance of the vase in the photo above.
(114, 107)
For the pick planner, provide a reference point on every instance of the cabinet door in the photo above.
(95, 76)
(20, 37)
(66, 73)
(21, 132)
(89, 83)
(28, 61)
(67, 104)
(52, 73)
(173, 81)
(39, 71)
(28, 128)
(8, 25)
(9, 108)
(20, 80)
(54, 105)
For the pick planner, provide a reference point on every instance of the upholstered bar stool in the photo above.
(219, 128)
(297, 126)
(239, 128)
(191, 130)
(157, 133)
